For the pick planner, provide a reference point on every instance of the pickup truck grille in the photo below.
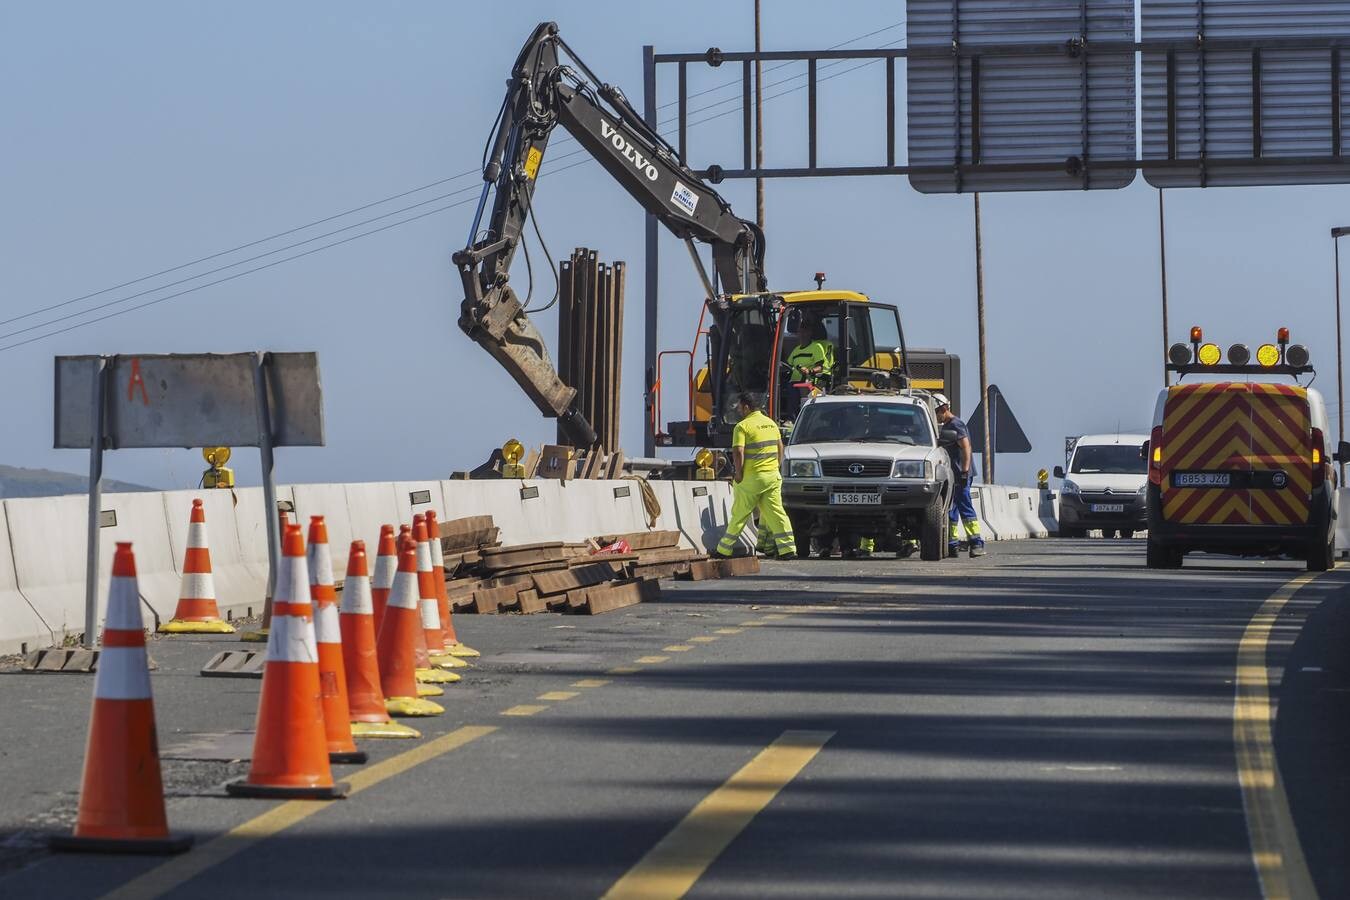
(856, 468)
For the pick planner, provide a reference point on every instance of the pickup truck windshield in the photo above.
(1109, 459)
(898, 423)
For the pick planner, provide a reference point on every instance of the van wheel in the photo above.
(1161, 556)
(1322, 554)
(933, 531)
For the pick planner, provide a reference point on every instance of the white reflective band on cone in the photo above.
(385, 569)
(431, 614)
(292, 579)
(424, 556)
(356, 596)
(320, 565)
(123, 674)
(292, 640)
(197, 535)
(197, 586)
(437, 557)
(327, 628)
(124, 605)
(404, 593)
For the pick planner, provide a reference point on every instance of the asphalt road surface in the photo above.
(1052, 720)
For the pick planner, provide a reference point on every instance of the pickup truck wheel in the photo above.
(933, 531)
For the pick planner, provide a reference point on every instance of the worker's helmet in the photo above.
(940, 400)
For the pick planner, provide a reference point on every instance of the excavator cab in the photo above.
(753, 336)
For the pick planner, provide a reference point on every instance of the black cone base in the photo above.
(355, 756)
(165, 846)
(283, 792)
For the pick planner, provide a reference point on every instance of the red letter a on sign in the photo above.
(137, 380)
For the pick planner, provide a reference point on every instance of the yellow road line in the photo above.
(730, 630)
(750, 624)
(672, 867)
(677, 648)
(651, 660)
(622, 670)
(704, 639)
(557, 695)
(775, 617)
(590, 683)
(525, 709)
(1270, 826)
(181, 869)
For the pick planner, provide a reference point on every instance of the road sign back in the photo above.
(1008, 434)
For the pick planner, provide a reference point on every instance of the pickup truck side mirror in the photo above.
(1059, 471)
(1342, 453)
(948, 437)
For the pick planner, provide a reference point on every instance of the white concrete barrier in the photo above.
(434, 499)
(252, 529)
(21, 627)
(329, 501)
(370, 506)
(1342, 521)
(239, 587)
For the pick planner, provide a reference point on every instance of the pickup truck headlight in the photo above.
(803, 468)
(911, 468)
(1069, 487)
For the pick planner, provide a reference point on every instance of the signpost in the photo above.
(259, 399)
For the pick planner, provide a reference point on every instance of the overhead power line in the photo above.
(336, 216)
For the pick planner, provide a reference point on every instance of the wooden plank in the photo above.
(616, 462)
(704, 570)
(741, 565)
(516, 555)
(644, 540)
(529, 602)
(551, 583)
(487, 601)
(608, 598)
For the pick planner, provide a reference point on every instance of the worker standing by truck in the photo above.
(962, 511)
(757, 480)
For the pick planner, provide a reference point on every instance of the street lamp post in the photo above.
(1336, 235)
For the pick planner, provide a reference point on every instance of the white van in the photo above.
(1105, 486)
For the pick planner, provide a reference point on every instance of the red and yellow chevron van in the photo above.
(1240, 465)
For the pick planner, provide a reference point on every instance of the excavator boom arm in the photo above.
(542, 94)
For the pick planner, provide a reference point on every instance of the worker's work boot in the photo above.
(976, 549)
(953, 549)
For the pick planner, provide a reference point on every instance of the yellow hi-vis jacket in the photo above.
(758, 436)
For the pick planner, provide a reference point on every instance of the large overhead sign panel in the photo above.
(1021, 95)
(1243, 92)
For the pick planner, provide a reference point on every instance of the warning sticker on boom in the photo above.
(684, 198)
(532, 160)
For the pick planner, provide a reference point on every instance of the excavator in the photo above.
(749, 330)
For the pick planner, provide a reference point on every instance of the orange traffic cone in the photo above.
(290, 749)
(197, 612)
(364, 697)
(428, 604)
(122, 795)
(261, 635)
(396, 649)
(386, 564)
(452, 643)
(337, 718)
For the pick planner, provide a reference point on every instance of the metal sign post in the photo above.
(99, 389)
(259, 399)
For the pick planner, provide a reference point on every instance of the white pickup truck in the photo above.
(868, 465)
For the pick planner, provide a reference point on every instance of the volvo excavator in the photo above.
(750, 329)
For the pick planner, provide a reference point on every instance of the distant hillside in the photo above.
(17, 481)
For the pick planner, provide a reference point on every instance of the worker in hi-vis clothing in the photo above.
(962, 511)
(757, 482)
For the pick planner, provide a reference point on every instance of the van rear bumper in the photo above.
(1225, 537)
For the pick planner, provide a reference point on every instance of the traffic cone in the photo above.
(428, 604)
(396, 646)
(386, 564)
(290, 749)
(452, 644)
(337, 718)
(122, 794)
(364, 697)
(197, 612)
(261, 636)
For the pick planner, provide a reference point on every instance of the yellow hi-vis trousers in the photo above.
(766, 495)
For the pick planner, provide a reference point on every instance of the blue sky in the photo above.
(141, 136)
